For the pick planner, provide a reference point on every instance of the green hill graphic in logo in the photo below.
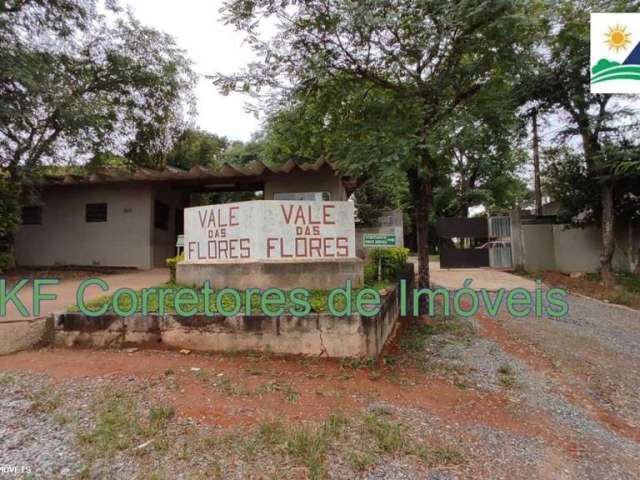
(606, 70)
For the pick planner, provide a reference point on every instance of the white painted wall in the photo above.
(269, 230)
(323, 180)
(65, 238)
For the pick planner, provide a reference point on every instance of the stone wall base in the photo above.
(318, 334)
(312, 274)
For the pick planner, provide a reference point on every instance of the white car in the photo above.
(494, 244)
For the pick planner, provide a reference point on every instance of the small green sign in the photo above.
(379, 240)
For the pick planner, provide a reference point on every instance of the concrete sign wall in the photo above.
(269, 230)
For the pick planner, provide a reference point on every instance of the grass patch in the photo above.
(289, 393)
(229, 387)
(438, 456)
(166, 302)
(121, 425)
(361, 460)
(6, 379)
(44, 400)
(389, 436)
(307, 444)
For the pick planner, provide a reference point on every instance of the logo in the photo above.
(615, 53)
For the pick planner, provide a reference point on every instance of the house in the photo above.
(120, 219)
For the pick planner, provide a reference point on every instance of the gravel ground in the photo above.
(595, 344)
(597, 348)
(534, 422)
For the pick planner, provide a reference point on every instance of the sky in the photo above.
(213, 47)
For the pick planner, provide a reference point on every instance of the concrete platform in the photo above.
(309, 274)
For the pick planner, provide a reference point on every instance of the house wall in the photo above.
(128, 238)
(164, 241)
(323, 180)
(65, 238)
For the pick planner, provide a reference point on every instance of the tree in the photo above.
(560, 80)
(98, 85)
(430, 56)
(482, 138)
(577, 190)
(241, 153)
(76, 83)
(196, 147)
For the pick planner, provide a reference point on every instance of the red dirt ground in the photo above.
(324, 387)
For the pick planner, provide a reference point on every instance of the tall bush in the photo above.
(391, 262)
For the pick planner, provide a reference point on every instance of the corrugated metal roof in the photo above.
(227, 171)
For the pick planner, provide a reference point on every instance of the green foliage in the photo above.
(388, 435)
(369, 82)
(241, 153)
(73, 79)
(196, 147)
(569, 181)
(317, 300)
(387, 191)
(119, 424)
(393, 263)
(171, 263)
(9, 219)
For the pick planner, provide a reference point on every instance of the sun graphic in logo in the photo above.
(617, 38)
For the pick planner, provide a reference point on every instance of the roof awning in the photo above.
(250, 173)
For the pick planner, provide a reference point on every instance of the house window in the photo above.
(32, 215)
(96, 212)
(312, 196)
(161, 216)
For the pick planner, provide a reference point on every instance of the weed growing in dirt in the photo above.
(389, 436)
(120, 425)
(6, 379)
(438, 456)
(288, 392)
(229, 387)
(361, 460)
(44, 400)
(307, 444)
(507, 376)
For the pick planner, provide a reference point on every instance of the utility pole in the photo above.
(536, 162)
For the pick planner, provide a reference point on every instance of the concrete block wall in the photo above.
(569, 250)
(315, 334)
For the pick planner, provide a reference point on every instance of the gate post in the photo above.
(517, 240)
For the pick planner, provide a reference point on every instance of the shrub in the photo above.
(171, 263)
(393, 262)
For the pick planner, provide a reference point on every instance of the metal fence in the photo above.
(500, 230)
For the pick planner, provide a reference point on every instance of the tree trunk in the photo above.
(536, 163)
(423, 208)
(608, 235)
